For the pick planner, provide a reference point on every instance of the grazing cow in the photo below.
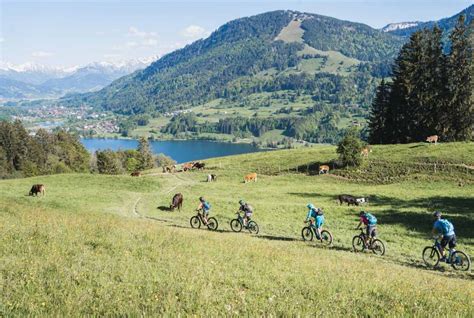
(365, 152)
(188, 166)
(323, 169)
(169, 169)
(433, 138)
(250, 177)
(362, 200)
(37, 188)
(211, 177)
(348, 198)
(177, 202)
(136, 174)
(199, 165)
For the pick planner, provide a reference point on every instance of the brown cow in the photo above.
(37, 188)
(136, 174)
(433, 138)
(188, 166)
(250, 177)
(177, 202)
(365, 152)
(323, 169)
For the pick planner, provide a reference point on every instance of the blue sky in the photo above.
(67, 33)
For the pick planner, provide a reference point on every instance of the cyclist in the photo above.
(205, 207)
(315, 217)
(370, 223)
(247, 210)
(444, 228)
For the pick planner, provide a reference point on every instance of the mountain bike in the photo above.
(360, 243)
(198, 219)
(309, 232)
(458, 259)
(238, 223)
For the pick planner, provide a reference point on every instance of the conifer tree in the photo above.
(459, 68)
(378, 115)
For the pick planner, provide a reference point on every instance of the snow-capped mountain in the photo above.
(399, 26)
(32, 80)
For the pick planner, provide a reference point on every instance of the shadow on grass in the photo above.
(164, 208)
(277, 238)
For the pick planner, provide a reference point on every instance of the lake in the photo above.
(179, 150)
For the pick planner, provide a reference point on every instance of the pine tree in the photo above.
(146, 156)
(378, 115)
(459, 68)
(349, 149)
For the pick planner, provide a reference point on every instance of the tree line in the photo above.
(24, 155)
(431, 92)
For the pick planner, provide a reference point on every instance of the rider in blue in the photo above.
(316, 218)
(370, 223)
(444, 228)
(205, 207)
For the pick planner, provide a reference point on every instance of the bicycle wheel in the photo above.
(212, 224)
(326, 237)
(235, 225)
(358, 244)
(253, 227)
(195, 222)
(460, 261)
(307, 233)
(378, 247)
(431, 256)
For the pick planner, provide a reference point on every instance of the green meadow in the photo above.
(107, 245)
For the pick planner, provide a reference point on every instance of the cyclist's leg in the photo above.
(452, 244)
(442, 246)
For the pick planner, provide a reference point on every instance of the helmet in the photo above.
(361, 213)
(241, 202)
(437, 214)
(201, 199)
(310, 206)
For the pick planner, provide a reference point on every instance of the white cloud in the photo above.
(41, 54)
(194, 31)
(135, 32)
(131, 44)
(150, 42)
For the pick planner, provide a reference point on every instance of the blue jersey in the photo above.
(319, 218)
(443, 226)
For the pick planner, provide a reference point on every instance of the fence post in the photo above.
(435, 167)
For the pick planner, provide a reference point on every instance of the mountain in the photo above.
(35, 80)
(269, 52)
(446, 24)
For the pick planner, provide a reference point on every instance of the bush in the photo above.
(349, 149)
(162, 160)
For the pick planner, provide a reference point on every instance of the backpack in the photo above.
(371, 219)
(206, 205)
(249, 208)
(446, 226)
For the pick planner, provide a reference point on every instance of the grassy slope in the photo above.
(83, 249)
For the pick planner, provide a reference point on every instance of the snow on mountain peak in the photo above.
(399, 26)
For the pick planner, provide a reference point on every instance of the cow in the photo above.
(211, 177)
(323, 169)
(365, 152)
(188, 166)
(37, 188)
(433, 138)
(177, 202)
(169, 169)
(136, 174)
(199, 165)
(348, 198)
(362, 200)
(250, 177)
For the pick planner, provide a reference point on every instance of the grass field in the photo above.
(98, 245)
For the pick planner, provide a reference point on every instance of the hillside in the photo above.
(98, 245)
(248, 56)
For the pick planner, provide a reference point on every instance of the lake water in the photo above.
(179, 150)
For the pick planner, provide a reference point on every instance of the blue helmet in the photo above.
(310, 206)
(437, 214)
